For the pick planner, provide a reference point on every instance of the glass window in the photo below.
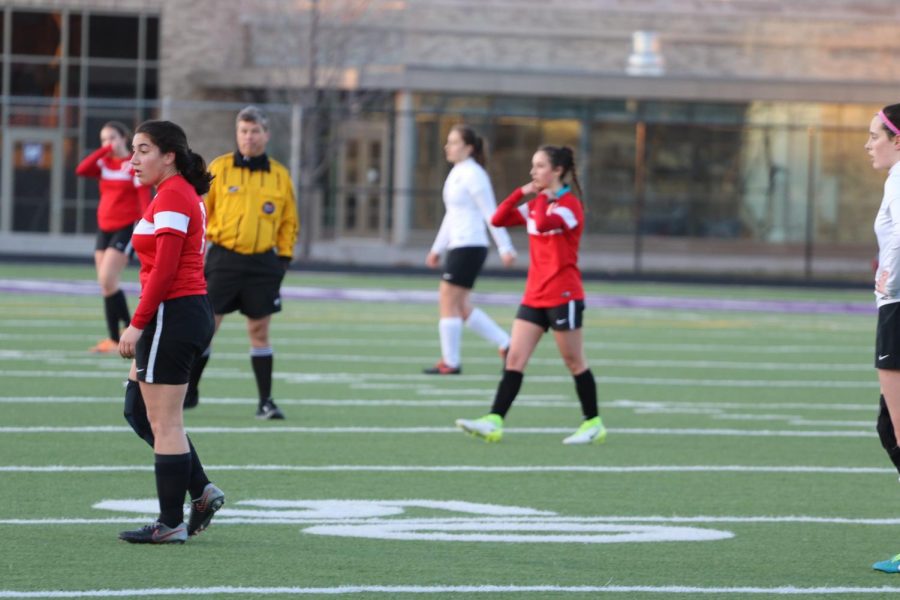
(112, 82)
(73, 83)
(151, 84)
(75, 21)
(514, 141)
(113, 37)
(693, 182)
(609, 179)
(152, 50)
(34, 116)
(34, 80)
(36, 33)
(848, 189)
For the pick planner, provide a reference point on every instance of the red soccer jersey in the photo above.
(122, 198)
(170, 241)
(554, 233)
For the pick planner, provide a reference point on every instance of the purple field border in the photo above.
(89, 288)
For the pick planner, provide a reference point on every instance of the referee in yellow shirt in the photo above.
(252, 227)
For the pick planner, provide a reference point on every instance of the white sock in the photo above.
(485, 326)
(450, 329)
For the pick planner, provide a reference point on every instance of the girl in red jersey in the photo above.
(554, 297)
(122, 200)
(171, 327)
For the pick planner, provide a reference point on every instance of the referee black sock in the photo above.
(173, 472)
(199, 480)
(262, 360)
(507, 392)
(111, 310)
(587, 393)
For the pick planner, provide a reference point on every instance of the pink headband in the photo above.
(888, 123)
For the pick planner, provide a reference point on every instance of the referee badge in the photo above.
(233, 189)
(268, 208)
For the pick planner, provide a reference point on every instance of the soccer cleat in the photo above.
(891, 565)
(441, 368)
(488, 427)
(591, 431)
(191, 398)
(269, 411)
(156, 533)
(203, 508)
(105, 346)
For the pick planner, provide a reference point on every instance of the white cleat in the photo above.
(591, 431)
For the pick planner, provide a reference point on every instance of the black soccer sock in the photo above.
(262, 360)
(507, 391)
(199, 480)
(112, 316)
(173, 473)
(885, 428)
(121, 307)
(587, 393)
(197, 369)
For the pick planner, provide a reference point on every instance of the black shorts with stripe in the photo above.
(887, 337)
(462, 265)
(564, 317)
(249, 283)
(181, 330)
(120, 240)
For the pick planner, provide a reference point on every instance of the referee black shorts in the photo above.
(564, 317)
(120, 239)
(249, 283)
(462, 265)
(181, 330)
(887, 337)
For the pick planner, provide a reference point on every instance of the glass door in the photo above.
(32, 176)
(361, 193)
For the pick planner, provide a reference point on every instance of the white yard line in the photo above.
(517, 469)
(41, 429)
(344, 378)
(446, 589)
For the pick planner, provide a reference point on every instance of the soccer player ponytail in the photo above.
(169, 137)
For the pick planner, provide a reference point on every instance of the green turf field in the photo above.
(741, 459)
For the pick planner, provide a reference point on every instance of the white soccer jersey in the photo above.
(887, 230)
(469, 203)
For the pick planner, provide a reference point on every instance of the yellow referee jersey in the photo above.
(251, 212)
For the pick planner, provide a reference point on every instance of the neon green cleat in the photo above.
(488, 427)
(591, 431)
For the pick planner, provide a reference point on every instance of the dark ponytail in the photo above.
(892, 113)
(563, 156)
(470, 138)
(169, 137)
(122, 129)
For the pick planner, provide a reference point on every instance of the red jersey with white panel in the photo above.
(554, 234)
(122, 197)
(170, 241)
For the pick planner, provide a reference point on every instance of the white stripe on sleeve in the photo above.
(144, 227)
(168, 219)
(567, 216)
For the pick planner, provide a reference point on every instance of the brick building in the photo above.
(735, 147)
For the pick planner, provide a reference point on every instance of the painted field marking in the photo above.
(344, 378)
(517, 469)
(42, 429)
(389, 590)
